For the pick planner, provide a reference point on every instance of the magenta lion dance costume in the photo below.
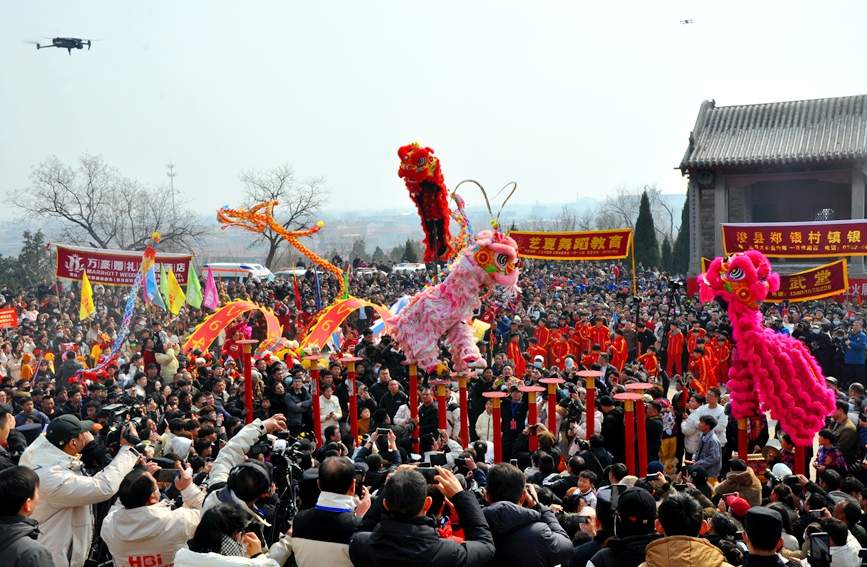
(774, 372)
(447, 308)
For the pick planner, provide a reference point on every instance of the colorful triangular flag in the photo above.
(211, 299)
(194, 288)
(87, 307)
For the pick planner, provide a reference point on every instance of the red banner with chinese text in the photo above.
(8, 317)
(815, 283)
(587, 245)
(114, 267)
(798, 240)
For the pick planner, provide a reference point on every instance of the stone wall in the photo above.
(708, 223)
(738, 205)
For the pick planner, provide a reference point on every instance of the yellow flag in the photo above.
(87, 307)
(480, 328)
(176, 294)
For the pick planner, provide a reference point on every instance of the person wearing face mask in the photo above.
(821, 348)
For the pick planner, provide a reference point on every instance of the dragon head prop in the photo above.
(419, 164)
(744, 277)
(496, 255)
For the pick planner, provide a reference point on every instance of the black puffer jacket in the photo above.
(624, 551)
(527, 537)
(416, 542)
(18, 547)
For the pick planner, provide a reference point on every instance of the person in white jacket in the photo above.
(329, 407)
(689, 426)
(141, 529)
(66, 493)
(485, 423)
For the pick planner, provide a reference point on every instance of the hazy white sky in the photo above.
(566, 98)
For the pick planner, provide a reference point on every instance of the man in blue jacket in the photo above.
(526, 533)
(853, 370)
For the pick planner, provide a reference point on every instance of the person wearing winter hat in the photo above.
(634, 528)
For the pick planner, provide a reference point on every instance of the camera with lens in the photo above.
(774, 479)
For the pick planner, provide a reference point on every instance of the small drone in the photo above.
(68, 43)
(681, 21)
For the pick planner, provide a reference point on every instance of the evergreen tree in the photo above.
(680, 251)
(409, 253)
(359, 249)
(646, 245)
(666, 255)
(378, 255)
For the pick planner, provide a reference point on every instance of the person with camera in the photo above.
(222, 540)
(321, 534)
(66, 492)
(241, 484)
(397, 531)
(142, 529)
(525, 532)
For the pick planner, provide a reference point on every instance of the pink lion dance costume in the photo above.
(447, 308)
(772, 371)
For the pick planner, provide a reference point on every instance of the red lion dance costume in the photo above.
(769, 371)
(420, 170)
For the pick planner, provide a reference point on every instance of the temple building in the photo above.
(775, 162)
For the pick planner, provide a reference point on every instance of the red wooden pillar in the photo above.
(590, 377)
(628, 399)
(441, 392)
(639, 388)
(350, 361)
(498, 429)
(800, 457)
(533, 412)
(248, 378)
(413, 401)
(313, 361)
(465, 410)
(743, 446)
(552, 384)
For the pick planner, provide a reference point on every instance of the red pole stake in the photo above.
(590, 411)
(498, 435)
(413, 402)
(465, 415)
(552, 402)
(743, 446)
(628, 399)
(441, 401)
(353, 400)
(314, 393)
(532, 412)
(642, 425)
(800, 465)
(248, 379)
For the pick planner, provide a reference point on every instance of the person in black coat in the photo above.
(18, 546)
(596, 458)
(514, 414)
(653, 430)
(428, 416)
(613, 429)
(526, 533)
(396, 531)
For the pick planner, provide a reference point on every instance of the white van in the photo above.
(230, 271)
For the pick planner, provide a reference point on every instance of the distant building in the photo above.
(775, 162)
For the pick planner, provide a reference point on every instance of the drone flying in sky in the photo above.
(68, 43)
(684, 22)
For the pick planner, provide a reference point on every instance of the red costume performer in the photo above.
(545, 337)
(692, 336)
(619, 353)
(559, 350)
(650, 362)
(600, 335)
(421, 173)
(513, 352)
(675, 354)
(584, 333)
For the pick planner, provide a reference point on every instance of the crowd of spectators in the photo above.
(151, 461)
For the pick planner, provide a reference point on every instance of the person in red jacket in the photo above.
(535, 350)
(559, 350)
(675, 351)
(619, 351)
(723, 356)
(584, 334)
(695, 333)
(704, 371)
(650, 362)
(513, 353)
(600, 334)
(544, 336)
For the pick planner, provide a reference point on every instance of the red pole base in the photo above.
(498, 436)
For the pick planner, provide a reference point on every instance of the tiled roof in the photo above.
(802, 131)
